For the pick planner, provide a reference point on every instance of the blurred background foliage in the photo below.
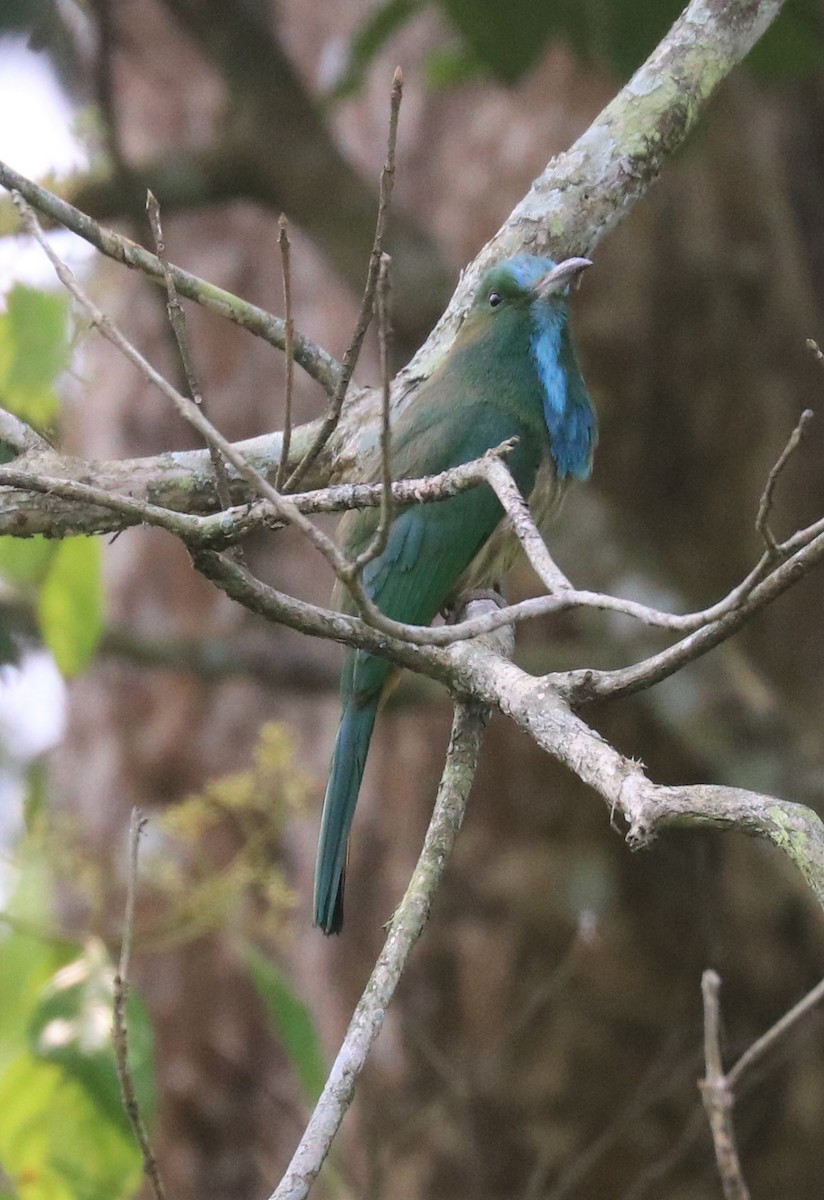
(547, 1039)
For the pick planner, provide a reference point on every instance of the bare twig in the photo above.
(289, 350)
(377, 544)
(404, 930)
(579, 686)
(190, 411)
(177, 321)
(120, 1032)
(767, 1041)
(713, 624)
(385, 346)
(583, 685)
(315, 361)
(717, 1095)
(525, 529)
(541, 711)
(350, 358)
(765, 504)
(236, 523)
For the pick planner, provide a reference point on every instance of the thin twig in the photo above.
(350, 358)
(539, 708)
(525, 529)
(289, 350)
(120, 1032)
(717, 1095)
(377, 544)
(767, 1040)
(283, 506)
(177, 321)
(187, 408)
(315, 361)
(136, 826)
(765, 504)
(580, 686)
(226, 527)
(404, 930)
(192, 413)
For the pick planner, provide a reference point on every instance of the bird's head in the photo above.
(527, 279)
(520, 312)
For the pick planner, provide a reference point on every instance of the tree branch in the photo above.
(177, 321)
(316, 362)
(717, 1096)
(364, 319)
(404, 930)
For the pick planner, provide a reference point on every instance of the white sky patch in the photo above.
(32, 706)
(36, 138)
(36, 130)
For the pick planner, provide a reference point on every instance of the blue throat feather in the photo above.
(567, 410)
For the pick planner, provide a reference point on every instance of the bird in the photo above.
(511, 372)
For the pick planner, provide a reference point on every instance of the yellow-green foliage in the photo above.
(221, 861)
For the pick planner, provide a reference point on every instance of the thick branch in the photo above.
(622, 783)
(74, 506)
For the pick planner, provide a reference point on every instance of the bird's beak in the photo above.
(559, 277)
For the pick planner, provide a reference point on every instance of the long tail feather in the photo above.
(346, 772)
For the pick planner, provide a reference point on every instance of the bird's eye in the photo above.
(495, 298)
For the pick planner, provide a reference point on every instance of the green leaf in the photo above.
(510, 38)
(449, 66)
(19, 15)
(63, 1133)
(70, 607)
(368, 39)
(27, 960)
(55, 1143)
(293, 1022)
(792, 46)
(26, 561)
(71, 1026)
(34, 349)
(26, 964)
